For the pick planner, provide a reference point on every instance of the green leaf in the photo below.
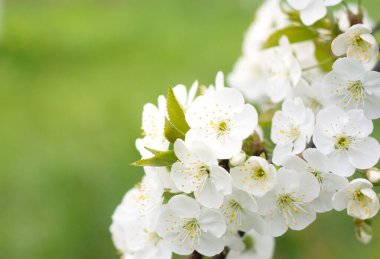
(172, 133)
(294, 33)
(153, 151)
(324, 56)
(161, 158)
(175, 112)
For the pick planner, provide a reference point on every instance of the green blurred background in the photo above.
(74, 78)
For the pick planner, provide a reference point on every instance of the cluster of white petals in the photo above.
(215, 183)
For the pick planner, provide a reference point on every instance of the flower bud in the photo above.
(373, 175)
(238, 159)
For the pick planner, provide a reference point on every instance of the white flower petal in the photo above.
(209, 196)
(340, 164)
(184, 206)
(209, 245)
(221, 179)
(313, 12)
(211, 221)
(365, 153)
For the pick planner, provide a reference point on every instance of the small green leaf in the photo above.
(164, 158)
(324, 56)
(294, 33)
(175, 112)
(153, 151)
(172, 133)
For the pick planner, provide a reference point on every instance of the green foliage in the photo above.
(160, 158)
(176, 113)
(294, 33)
(172, 133)
(324, 56)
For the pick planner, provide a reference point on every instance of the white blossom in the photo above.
(254, 246)
(288, 205)
(316, 163)
(153, 125)
(134, 221)
(239, 211)
(188, 227)
(292, 128)
(268, 18)
(254, 176)
(221, 119)
(359, 199)
(198, 171)
(350, 86)
(312, 10)
(343, 137)
(283, 72)
(184, 97)
(357, 43)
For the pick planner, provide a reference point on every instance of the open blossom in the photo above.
(248, 76)
(198, 171)
(268, 18)
(145, 198)
(292, 128)
(351, 86)
(357, 43)
(134, 221)
(188, 227)
(312, 10)
(153, 124)
(283, 71)
(240, 213)
(343, 137)
(184, 97)
(359, 199)
(253, 245)
(316, 163)
(255, 176)
(134, 239)
(221, 119)
(288, 205)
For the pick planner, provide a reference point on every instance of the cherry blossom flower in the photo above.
(350, 86)
(239, 211)
(292, 128)
(312, 10)
(288, 205)
(254, 176)
(198, 172)
(221, 119)
(254, 246)
(316, 163)
(359, 199)
(188, 227)
(357, 43)
(344, 138)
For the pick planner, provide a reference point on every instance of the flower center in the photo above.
(358, 195)
(285, 200)
(235, 217)
(258, 173)
(203, 170)
(153, 237)
(191, 228)
(293, 133)
(317, 174)
(357, 41)
(356, 90)
(343, 142)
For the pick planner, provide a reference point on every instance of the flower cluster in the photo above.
(215, 184)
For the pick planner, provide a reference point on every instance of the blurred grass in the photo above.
(74, 78)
